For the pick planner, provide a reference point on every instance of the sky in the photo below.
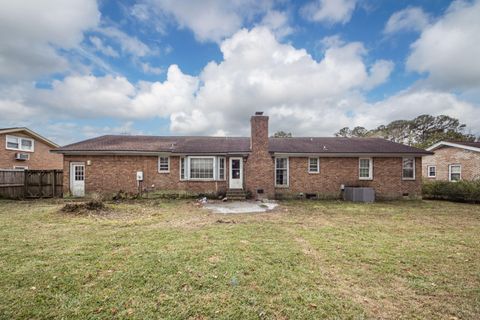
(77, 69)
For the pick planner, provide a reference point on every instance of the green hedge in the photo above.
(463, 191)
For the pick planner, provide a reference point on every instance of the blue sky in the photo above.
(163, 67)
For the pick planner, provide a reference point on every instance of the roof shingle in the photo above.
(186, 144)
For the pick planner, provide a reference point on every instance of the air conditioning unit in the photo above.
(22, 156)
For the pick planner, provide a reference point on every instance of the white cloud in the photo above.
(148, 68)
(411, 103)
(301, 94)
(128, 44)
(409, 19)
(210, 20)
(104, 49)
(30, 32)
(379, 73)
(68, 132)
(329, 11)
(278, 23)
(449, 49)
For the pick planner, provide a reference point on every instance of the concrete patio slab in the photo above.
(240, 207)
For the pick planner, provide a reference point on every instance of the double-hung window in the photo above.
(221, 168)
(313, 165)
(183, 168)
(454, 172)
(365, 168)
(202, 168)
(164, 164)
(408, 168)
(19, 143)
(431, 171)
(281, 172)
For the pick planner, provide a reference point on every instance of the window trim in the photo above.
(168, 163)
(288, 173)
(414, 169)
(370, 168)
(202, 157)
(428, 171)
(19, 143)
(318, 165)
(450, 172)
(20, 167)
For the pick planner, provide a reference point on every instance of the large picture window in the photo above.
(281, 172)
(365, 169)
(408, 169)
(202, 168)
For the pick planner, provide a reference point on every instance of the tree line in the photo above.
(422, 131)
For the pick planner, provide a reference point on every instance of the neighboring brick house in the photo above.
(263, 166)
(453, 161)
(25, 149)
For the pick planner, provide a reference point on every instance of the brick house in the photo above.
(25, 149)
(453, 161)
(262, 166)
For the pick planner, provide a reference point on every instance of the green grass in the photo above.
(172, 260)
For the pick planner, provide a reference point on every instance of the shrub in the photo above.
(462, 191)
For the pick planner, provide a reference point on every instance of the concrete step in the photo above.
(236, 194)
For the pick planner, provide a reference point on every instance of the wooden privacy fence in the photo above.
(19, 184)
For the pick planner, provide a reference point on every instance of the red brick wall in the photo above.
(259, 167)
(387, 177)
(110, 174)
(40, 158)
(445, 156)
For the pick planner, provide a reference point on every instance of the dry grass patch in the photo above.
(173, 259)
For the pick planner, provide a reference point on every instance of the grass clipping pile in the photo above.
(93, 206)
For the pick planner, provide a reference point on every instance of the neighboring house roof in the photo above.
(472, 146)
(31, 133)
(204, 145)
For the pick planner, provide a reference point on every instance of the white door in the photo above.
(77, 179)
(236, 173)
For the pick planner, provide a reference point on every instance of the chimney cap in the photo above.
(259, 113)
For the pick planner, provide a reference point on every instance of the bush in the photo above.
(462, 191)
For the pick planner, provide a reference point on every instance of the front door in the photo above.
(77, 179)
(236, 173)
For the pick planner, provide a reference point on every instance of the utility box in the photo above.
(359, 194)
(139, 175)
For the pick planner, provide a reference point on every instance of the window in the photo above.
(313, 165)
(163, 164)
(20, 167)
(365, 169)
(431, 171)
(408, 169)
(281, 172)
(221, 168)
(182, 169)
(19, 143)
(454, 172)
(202, 168)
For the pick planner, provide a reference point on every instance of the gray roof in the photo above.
(204, 145)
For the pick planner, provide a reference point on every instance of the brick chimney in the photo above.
(259, 168)
(259, 132)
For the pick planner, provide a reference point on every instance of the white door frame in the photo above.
(235, 183)
(77, 188)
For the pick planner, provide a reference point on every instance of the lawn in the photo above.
(172, 259)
